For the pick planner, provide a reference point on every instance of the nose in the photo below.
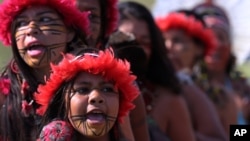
(95, 97)
(32, 29)
(169, 44)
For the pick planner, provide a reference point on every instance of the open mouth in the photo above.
(95, 117)
(35, 49)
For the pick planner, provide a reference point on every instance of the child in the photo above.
(87, 95)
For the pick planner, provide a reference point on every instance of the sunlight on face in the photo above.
(181, 48)
(140, 30)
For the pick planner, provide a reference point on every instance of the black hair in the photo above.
(160, 69)
(14, 125)
(59, 108)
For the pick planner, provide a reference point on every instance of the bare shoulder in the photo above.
(168, 100)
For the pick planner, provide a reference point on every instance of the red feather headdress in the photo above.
(111, 17)
(191, 26)
(9, 9)
(104, 64)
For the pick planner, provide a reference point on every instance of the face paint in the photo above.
(94, 9)
(41, 36)
(94, 105)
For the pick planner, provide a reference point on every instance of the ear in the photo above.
(71, 35)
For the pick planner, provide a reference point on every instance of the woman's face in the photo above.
(41, 36)
(94, 9)
(218, 59)
(182, 49)
(94, 105)
(140, 29)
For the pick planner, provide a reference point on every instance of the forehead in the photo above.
(137, 27)
(174, 32)
(35, 10)
(85, 5)
(88, 77)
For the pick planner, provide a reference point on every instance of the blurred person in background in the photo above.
(214, 74)
(187, 40)
(164, 102)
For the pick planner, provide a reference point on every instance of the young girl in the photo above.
(38, 31)
(103, 16)
(86, 95)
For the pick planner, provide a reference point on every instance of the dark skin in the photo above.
(205, 123)
(138, 114)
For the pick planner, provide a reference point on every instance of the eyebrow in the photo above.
(89, 83)
(39, 14)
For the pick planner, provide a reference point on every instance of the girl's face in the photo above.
(94, 105)
(140, 29)
(182, 49)
(218, 59)
(94, 9)
(41, 36)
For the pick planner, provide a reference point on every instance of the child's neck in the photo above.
(102, 138)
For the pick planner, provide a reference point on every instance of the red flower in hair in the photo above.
(191, 26)
(9, 9)
(4, 86)
(104, 64)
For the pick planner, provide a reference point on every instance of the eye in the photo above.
(22, 23)
(108, 89)
(45, 19)
(94, 18)
(83, 90)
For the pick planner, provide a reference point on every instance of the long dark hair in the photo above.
(59, 108)
(160, 70)
(14, 125)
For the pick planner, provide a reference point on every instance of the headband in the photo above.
(9, 9)
(191, 26)
(104, 63)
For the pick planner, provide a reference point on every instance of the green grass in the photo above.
(147, 3)
(5, 55)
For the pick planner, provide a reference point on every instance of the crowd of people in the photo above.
(104, 70)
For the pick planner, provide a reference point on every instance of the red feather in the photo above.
(105, 64)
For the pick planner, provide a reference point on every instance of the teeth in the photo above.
(97, 112)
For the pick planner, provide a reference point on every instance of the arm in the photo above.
(126, 130)
(180, 127)
(204, 115)
(138, 120)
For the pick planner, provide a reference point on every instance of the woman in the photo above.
(91, 99)
(38, 32)
(218, 65)
(187, 40)
(103, 17)
(160, 88)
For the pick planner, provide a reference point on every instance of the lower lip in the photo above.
(37, 51)
(96, 121)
